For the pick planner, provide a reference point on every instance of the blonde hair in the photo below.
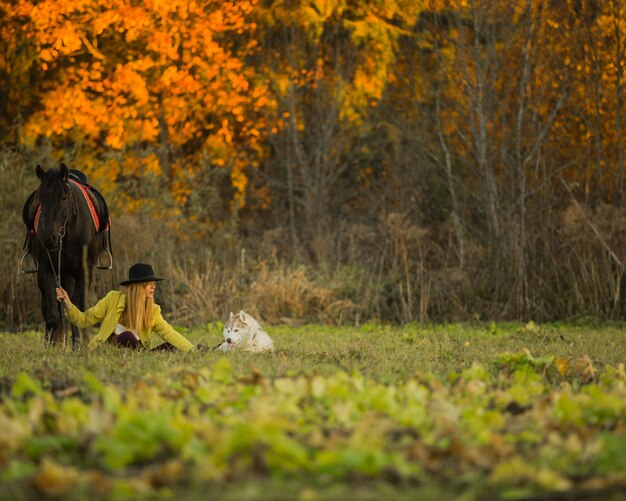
(137, 314)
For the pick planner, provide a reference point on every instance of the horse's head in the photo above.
(56, 202)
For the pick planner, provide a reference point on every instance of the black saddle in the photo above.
(79, 176)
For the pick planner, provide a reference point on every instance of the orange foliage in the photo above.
(158, 91)
(372, 28)
(141, 77)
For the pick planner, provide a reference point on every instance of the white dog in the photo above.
(244, 332)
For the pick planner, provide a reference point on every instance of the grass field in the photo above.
(464, 411)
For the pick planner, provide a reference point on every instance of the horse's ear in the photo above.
(65, 173)
(40, 172)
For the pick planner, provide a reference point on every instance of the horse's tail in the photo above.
(26, 245)
(104, 217)
(103, 210)
(29, 214)
(29, 210)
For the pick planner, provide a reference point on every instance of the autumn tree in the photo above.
(18, 86)
(473, 110)
(592, 43)
(149, 94)
(328, 63)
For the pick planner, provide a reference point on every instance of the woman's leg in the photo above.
(126, 339)
(164, 347)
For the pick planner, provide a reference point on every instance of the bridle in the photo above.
(69, 212)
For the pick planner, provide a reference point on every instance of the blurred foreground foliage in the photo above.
(510, 425)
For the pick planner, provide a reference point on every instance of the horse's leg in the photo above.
(71, 285)
(76, 340)
(59, 333)
(49, 306)
(78, 298)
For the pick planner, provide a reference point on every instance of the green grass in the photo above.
(385, 354)
(466, 411)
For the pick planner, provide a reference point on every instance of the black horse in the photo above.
(67, 233)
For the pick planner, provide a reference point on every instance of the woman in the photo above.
(128, 318)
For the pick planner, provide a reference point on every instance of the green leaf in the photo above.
(26, 385)
(38, 446)
(138, 437)
(612, 457)
(17, 470)
(476, 371)
(223, 371)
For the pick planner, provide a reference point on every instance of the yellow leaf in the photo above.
(584, 368)
(54, 480)
(561, 364)
(12, 435)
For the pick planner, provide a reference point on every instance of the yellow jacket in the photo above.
(108, 310)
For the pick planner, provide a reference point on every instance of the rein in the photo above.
(71, 210)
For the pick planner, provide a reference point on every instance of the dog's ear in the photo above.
(40, 172)
(242, 316)
(231, 316)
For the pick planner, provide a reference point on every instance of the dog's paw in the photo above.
(223, 346)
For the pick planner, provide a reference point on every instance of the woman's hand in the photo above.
(62, 295)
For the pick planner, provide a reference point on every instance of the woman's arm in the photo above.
(89, 317)
(168, 333)
(62, 295)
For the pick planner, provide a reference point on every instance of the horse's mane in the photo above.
(54, 185)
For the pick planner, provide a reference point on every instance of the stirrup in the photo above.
(33, 261)
(108, 264)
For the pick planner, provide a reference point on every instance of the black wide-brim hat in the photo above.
(140, 272)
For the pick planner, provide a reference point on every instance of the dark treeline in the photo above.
(332, 161)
